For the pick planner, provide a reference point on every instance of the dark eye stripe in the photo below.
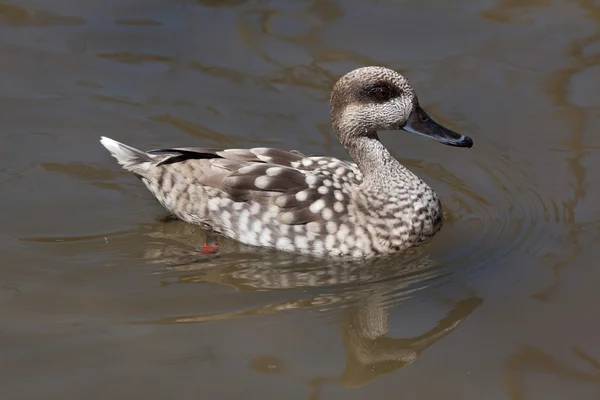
(379, 92)
(382, 93)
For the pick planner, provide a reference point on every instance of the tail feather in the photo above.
(130, 158)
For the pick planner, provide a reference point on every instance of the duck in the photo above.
(312, 204)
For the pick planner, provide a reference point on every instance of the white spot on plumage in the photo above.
(311, 180)
(342, 232)
(243, 220)
(317, 206)
(359, 231)
(323, 189)
(327, 182)
(302, 195)
(270, 214)
(318, 246)
(265, 236)
(284, 243)
(257, 226)
(339, 196)
(327, 214)
(266, 159)
(274, 171)
(251, 237)
(331, 227)
(307, 162)
(340, 170)
(262, 182)
(349, 240)
(255, 208)
(251, 169)
(314, 227)
(301, 242)
(330, 242)
(338, 207)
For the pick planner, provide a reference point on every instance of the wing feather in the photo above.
(287, 179)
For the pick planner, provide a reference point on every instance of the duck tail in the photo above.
(130, 158)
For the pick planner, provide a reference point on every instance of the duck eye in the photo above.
(382, 93)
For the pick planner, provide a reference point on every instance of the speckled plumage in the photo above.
(308, 204)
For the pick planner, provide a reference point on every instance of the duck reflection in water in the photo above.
(364, 291)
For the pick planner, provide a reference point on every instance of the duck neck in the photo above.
(378, 166)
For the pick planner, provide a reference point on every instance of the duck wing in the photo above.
(304, 188)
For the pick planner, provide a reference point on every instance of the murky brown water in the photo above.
(102, 299)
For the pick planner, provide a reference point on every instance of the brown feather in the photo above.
(297, 217)
(226, 165)
(238, 154)
(279, 184)
(289, 200)
(214, 181)
(298, 212)
(276, 156)
(258, 174)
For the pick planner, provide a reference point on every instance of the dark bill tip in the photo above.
(463, 141)
(420, 123)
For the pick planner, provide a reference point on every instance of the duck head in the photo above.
(371, 99)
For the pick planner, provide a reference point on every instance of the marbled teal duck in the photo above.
(309, 204)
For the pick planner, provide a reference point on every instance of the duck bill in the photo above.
(420, 123)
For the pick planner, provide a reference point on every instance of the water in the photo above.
(102, 297)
